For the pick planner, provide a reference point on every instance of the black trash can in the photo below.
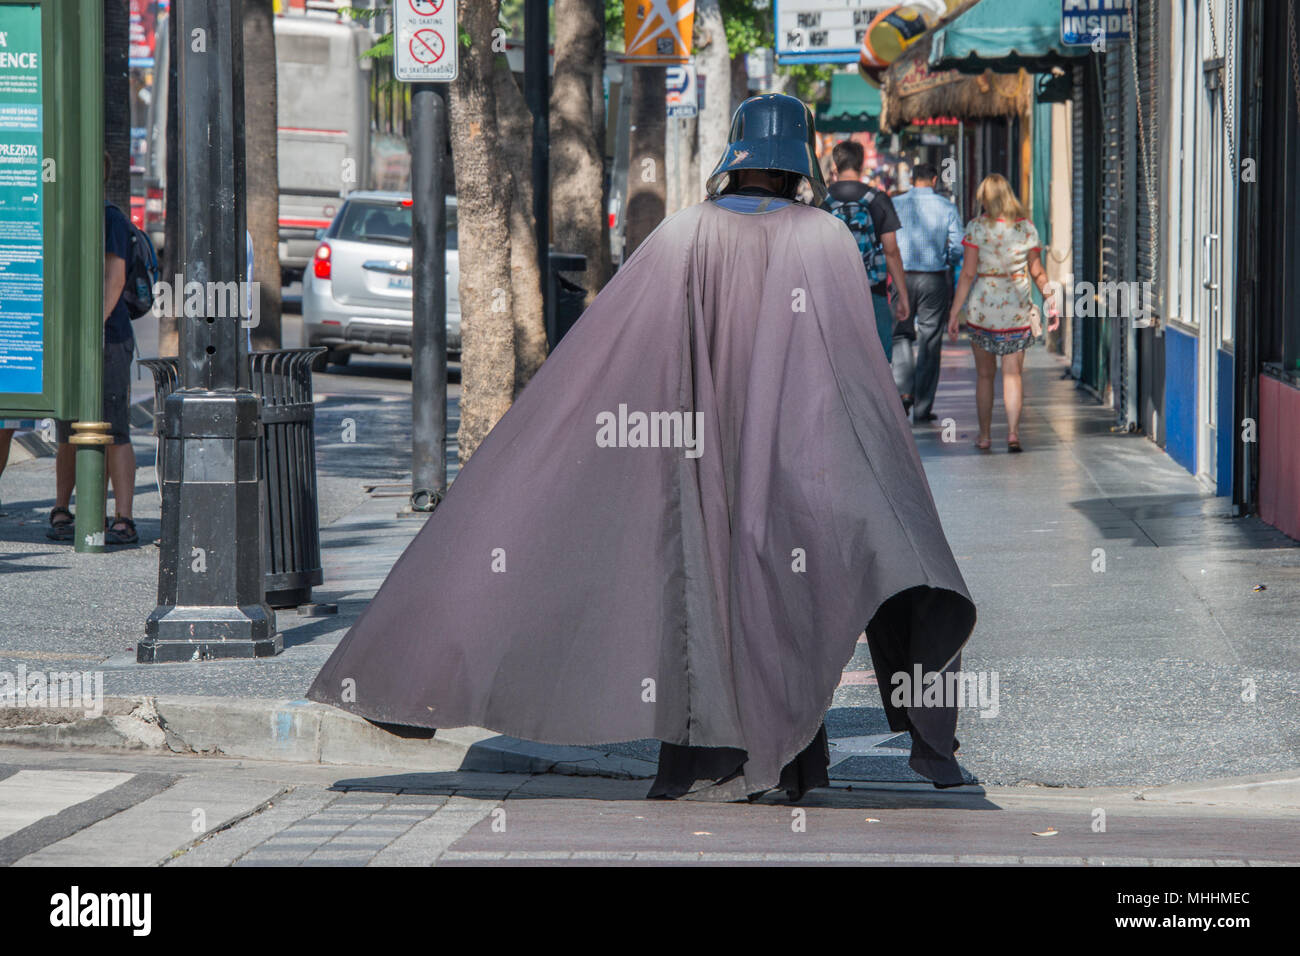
(565, 298)
(291, 562)
(291, 553)
(569, 299)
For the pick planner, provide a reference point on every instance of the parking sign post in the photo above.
(425, 48)
(429, 297)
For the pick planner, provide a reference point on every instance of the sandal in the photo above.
(1013, 445)
(61, 530)
(983, 444)
(127, 535)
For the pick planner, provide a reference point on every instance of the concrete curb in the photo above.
(299, 731)
(1270, 791)
(29, 445)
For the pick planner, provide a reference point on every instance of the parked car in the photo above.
(356, 295)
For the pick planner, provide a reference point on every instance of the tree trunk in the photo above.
(739, 81)
(646, 198)
(683, 187)
(483, 192)
(516, 135)
(714, 64)
(578, 220)
(117, 104)
(692, 160)
(261, 163)
(600, 133)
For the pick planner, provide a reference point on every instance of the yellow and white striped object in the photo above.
(658, 30)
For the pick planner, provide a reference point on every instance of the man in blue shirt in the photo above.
(929, 240)
(119, 345)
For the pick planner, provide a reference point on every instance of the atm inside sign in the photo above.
(424, 41)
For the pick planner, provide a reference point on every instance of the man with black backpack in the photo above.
(869, 214)
(123, 265)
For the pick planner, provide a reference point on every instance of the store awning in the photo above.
(854, 106)
(915, 91)
(1004, 36)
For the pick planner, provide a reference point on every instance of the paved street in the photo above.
(97, 810)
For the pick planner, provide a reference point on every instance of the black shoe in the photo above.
(928, 417)
(120, 531)
(62, 524)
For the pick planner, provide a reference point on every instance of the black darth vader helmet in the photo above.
(771, 131)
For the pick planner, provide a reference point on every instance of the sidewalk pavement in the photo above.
(1118, 612)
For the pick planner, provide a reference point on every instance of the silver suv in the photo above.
(356, 292)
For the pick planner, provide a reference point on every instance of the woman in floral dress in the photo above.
(1002, 255)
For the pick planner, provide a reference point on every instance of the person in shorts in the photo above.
(7, 429)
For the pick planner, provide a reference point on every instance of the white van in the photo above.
(323, 89)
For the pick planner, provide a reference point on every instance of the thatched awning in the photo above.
(912, 91)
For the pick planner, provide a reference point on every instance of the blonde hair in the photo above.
(997, 199)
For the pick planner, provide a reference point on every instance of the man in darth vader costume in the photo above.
(683, 524)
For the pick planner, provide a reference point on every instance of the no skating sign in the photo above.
(424, 41)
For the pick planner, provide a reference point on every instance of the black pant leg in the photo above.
(931, 318)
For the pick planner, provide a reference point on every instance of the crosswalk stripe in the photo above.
(148, 832)
(31, 795)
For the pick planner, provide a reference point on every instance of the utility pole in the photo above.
(210, 583)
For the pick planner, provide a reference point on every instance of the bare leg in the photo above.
(986, 369)
(121, 472)
(1013, 392)
(65, 474)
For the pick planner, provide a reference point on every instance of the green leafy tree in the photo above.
(614, 24)
(748, 29)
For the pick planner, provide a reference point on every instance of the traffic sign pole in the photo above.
(425, 54)
(429, 298)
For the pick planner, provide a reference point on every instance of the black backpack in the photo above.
(141, 271)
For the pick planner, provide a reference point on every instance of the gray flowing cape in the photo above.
(566, 591)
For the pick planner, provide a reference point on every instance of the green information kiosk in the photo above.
(52, 231)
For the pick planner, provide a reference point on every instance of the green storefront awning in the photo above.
(854, 106)
(1004, 36)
